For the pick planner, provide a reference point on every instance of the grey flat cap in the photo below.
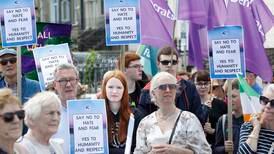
(7, 51)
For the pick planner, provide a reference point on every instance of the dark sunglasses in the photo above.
(9, 116)
(166, 62)
(5, 61)
(264, 101)
(169, 86)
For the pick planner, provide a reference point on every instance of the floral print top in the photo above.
(188, 134)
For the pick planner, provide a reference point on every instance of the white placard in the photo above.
(226, 55)
(122, 23)
(48, 65)
(18, 25)
(88, 132)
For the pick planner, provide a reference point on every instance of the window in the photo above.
(91, 13)
(76, 12)
(65, 10)
(55, 11)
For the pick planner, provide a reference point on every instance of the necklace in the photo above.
(166, 117)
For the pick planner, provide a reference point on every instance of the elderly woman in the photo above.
(169, 130)
(42, 118)
(257, 136)
(115, 93)
(11, 116)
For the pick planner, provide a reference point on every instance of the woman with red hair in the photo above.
(115, 93)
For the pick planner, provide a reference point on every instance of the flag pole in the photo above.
(122, 58)
(229, 111)
(184, 44)
(174, 26)
(19, 74)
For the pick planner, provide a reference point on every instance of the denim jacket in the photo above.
(29, 88)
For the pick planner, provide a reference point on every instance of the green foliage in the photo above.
(89, 69)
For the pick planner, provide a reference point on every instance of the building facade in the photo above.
(87, 19)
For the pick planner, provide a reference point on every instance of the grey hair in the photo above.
(33, 107)
(65, 66)
(155, 81)
(269, 90)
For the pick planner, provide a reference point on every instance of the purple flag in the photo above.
(254, 17)
(197, 48)
(193, 10)
(157, 23)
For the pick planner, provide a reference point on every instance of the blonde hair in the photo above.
(6, 97)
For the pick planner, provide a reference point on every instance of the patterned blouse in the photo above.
(188, 134)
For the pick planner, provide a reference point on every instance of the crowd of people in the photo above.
(174, 112)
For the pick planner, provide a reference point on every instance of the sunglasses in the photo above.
(166, 62)
(9, 116)
(169, 86)
(10, 60)
(264, 101)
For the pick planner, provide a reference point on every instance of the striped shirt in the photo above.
(265, 140)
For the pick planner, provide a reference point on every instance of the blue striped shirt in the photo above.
(265, 140)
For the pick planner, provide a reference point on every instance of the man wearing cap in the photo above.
(8, 67)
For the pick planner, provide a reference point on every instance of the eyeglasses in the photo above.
(166, 62)
(136, 66)
(169, 86)
(9, 116)
(202, 83)
(264, 101)
(10, 60)
(64, 82)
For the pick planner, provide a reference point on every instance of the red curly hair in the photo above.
(124, 109)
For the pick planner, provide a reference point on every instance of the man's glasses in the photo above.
(202, 83)
(10, 60)
(264, 101)
(166, 62)
(64, 82)
(169, 86)
(136, 66)
(9, 116)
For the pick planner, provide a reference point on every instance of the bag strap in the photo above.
(173, 130)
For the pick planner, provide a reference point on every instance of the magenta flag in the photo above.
(157, 23)
(256, 20)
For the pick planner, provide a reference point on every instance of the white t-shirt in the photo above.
(34, 147)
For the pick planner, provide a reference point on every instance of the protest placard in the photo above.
(47, 33)
(226, 52)
(88, 126)
(18, 26)
(47, 58)
(122, 22)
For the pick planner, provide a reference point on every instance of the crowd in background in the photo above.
(175, 112)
